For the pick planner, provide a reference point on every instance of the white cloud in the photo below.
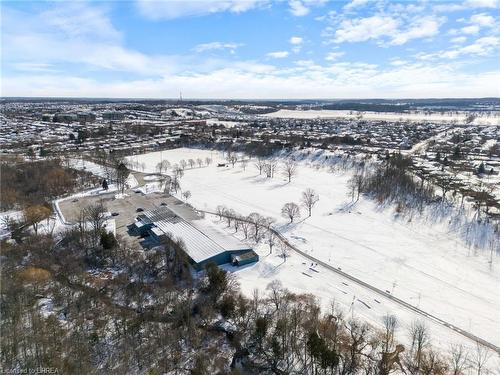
(216, 46)
(470, 30)
(482, 3)
(482, 19)
(278, 54)
(481, 47)
(355, 4)
(34, 67)
(38, 48)
(76, 20)
(170, 9)
(459, 40)
(45, 38)
(333, 56)
(468, 4)
(398, 62)
(362, 29)
(340, 80)
(296, 40)
(297, 8)
(301, 8)
(421, 28)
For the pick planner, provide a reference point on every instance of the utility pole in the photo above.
(394, 284)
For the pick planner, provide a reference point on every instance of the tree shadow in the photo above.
(346, 207)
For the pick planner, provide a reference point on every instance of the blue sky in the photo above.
(259, 49)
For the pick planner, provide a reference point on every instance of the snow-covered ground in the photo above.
(421, 262)
(85, 165)
(6, 215)
(388, 116)
(227, 124)
(151, 159)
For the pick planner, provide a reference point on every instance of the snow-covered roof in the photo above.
(201, 239)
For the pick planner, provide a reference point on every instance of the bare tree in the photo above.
(166, 182)
(178, 171)
(481, 357)
(159, 167)
(199, 162)
(309, 199)
(122, 173)
(232, 158)
(220, 211)
(244, 163)
(256, 219)
(270, 168)
(94, 215)
(245, 225)
(208, 161)
(33, 215)
(260, 164)
(186, 195)
(183, 164)
(290, 169)
(290, 211)
(459, 359)
(191, 163)
(390, 324)
(175, 184)
(165, 165)
(284, 250)
(230, 216)
(420, 339)
(355, 185)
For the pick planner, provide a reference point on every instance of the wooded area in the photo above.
(87, 307)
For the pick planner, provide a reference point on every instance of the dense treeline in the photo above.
(393, 182)
(396, 180)
(25, 183)
(88, 306)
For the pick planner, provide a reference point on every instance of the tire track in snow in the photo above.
(354, 279)
(383, 294)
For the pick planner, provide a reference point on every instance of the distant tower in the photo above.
(180, 96)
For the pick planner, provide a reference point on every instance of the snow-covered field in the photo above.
(388, 116)
(420, 262)
(151, 159)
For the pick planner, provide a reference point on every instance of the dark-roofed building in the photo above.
(203, 242)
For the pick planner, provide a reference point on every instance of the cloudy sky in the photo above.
(251, 48)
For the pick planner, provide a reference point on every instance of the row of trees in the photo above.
(291, 210)
(397, 180)
(289, 167)
(164, 165)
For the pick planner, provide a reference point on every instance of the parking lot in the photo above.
(125, 209)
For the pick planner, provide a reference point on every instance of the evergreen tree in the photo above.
(481, 169)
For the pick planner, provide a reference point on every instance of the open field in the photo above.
(420, 262)
(387, 116)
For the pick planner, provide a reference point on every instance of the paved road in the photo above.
(382, 293)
